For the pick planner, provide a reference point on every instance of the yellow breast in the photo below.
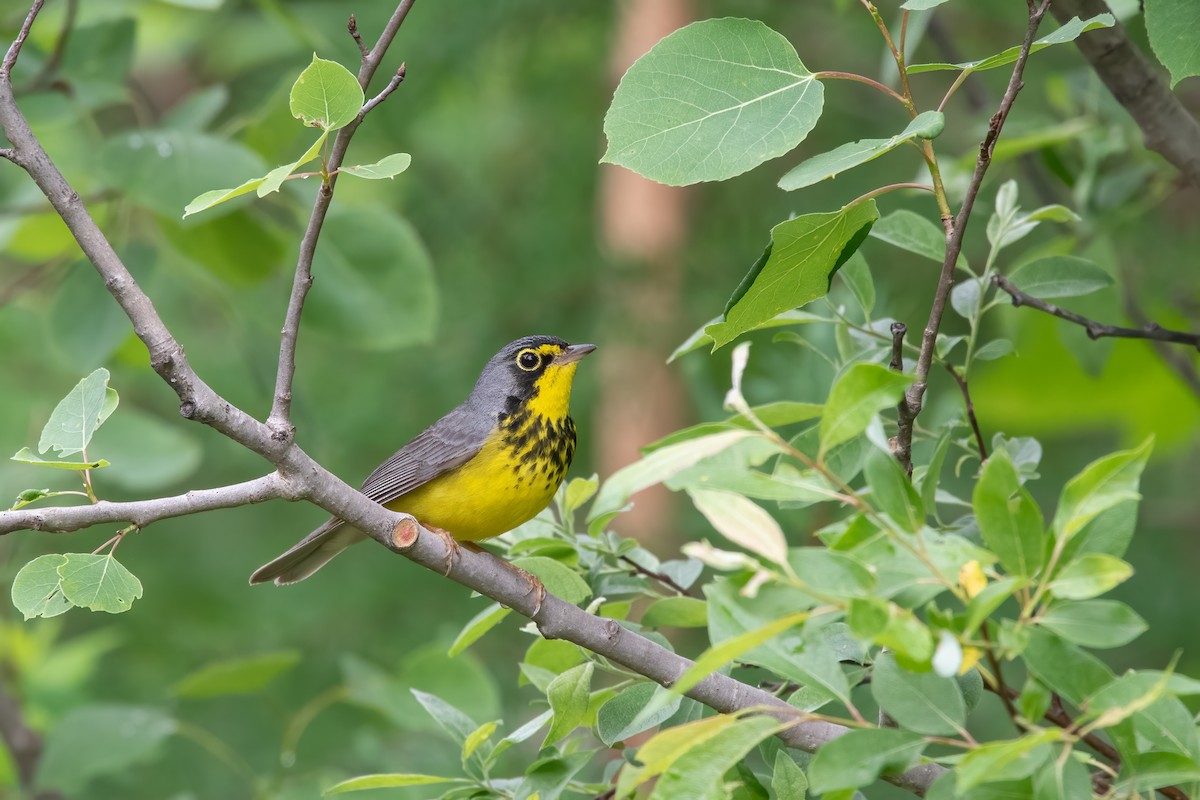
(511, 479)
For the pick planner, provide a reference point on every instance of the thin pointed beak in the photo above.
(573, 353)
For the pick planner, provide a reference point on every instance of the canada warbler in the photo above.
(483, 469)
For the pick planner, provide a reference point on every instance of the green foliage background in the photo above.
(490, 234)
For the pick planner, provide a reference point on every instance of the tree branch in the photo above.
(63, 519)
(281, 407)
(966, 393)
(910, 407)
(1097, 330)
(1167, 127)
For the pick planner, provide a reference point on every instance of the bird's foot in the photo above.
(535, 586)
(452, 545)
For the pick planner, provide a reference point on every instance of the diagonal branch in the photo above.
(1097, 330)
(910, 407)
(281, 407)
(1167, 127)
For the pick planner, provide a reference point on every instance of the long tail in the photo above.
(309, 554)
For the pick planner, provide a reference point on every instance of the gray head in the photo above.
(519, 371)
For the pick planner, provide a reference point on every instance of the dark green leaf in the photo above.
(98, 582)
(1070, 31)
(1148, 771)
(615, 719)
(37, 588)
(857, 758)
(804, 255)
(1006, 760)
(787, 779)
(892, 492)
(676, 612)
(829, 572)
(568, 696)
(697, 773)
(558, 580)
(921, 702)
(1063, 667)
(1060, 276)
(1171, 26)
(710, 101)
(912, 232)
(927, 125)
(858, 394)
(1095, 623)
(1009, 519)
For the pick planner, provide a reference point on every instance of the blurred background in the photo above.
(505, 225)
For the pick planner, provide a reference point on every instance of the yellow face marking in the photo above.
(553, 397)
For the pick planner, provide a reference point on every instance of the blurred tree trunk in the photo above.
(642, 226)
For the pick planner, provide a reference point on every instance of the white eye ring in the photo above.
(529, 360)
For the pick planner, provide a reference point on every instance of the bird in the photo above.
(491, 464)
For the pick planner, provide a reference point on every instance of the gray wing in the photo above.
(450, 442)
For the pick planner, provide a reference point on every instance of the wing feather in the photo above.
(443, 446)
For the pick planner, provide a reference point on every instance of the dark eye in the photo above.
(528, 360)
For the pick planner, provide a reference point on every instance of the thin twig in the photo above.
(910, 407)
(1097, 330)
(60, 48)
(966, 393)
(396, 80)
(891, 187)
(853, 76)
(352, 26)
(14, 50)
(1182, 363)
(279, 420)
(898, 331)
(665, 580)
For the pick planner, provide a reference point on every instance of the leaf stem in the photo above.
(853, 76)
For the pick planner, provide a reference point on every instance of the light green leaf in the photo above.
(1171, 26)
(153, 453)
(236, 675)
(983, 604)
(920, 702)
(326, 95)
(676, 612)
(996, 348)
(710, 101)
(275, 178)
(965, 298)
(857, 276)
(1005, 760)
(657, 467)
(480, 624)
(1069, 32)
(742, 522)
(857, 758)
(830, 572)
(96, 740)
(77, 416)
(700, 337)
(388, 781)
(721, 654)
(1009, 519)
(1063, 667)
(212, 197)
(521, 734)
(26, 456)
(858, 394)
(386, 167)
(796, 268)
(579, 491)
(477, 737)
(921, 5)
(1104, 483)
(1095, 623)
(98, 582)
(568, 696)
(1148, 771)
(1060, 276)
(787, 779)
(37, 588)
(697, 773)
(559, 580)
(620, 717)
(927, 125)
(450, 719)
(1092, 574)
(912, 232)
(892, 492)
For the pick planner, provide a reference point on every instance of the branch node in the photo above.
(187, 409)
(405, 534)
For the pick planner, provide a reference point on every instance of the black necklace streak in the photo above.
(545, 447)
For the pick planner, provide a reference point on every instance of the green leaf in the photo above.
(1067, 33)
(831, 572)
(480, 624)
(579, 491)
(213, 197)
(921, 702)
(921, 5)
(76, 417)
(477, 737)
(907, 637)
(558, 579)
(858, 757)
(721, 654)
(1034, 700)
(804, 254)
(1104, 483)
(96, 740)
(1094, 623)
(1006, 760)
(236, 675)
(1063, 667)
(521, 734)
(275, 178)
(892, 492)
(710, 101)
(98, 582)
(1171, 26)
(996, 348)
(1060, 276)
(857, 276)
(1090, 575)
(700, 338)
(386, 167)
(787, 779)
(26, 456)
(37, 588)
(912, 232)
(326, 95)
(742, 522)
(665, 747)
(697, 773)
(983, 604)
(657, 467)
(1147, 771)
(450, 719)
(676, 612)
(27, 496)
(858, 394)
(388, 781)
(376, 289)
(1009, 518)
(568, 696)
(546, 778)
(620, 717)
(927, 125)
